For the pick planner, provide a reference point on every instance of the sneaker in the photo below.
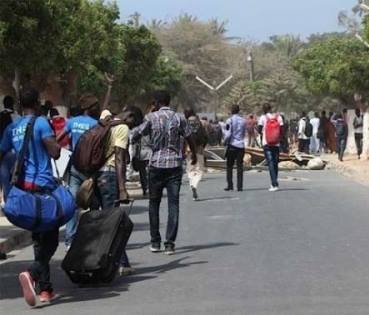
(155, 247)
(273, 189)
(126, 271)
(28, 287)
(169, 249)
(195, 196)
(46, 296)
(228, 189)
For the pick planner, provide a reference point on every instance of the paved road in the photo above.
(303, 250)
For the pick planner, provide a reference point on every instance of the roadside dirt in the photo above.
(351, 167)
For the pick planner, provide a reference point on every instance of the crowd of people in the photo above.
(169, 136)
(160, 144)
(328, 134)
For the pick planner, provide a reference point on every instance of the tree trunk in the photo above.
(16, 86)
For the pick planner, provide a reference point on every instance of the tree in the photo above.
(76, 41)
(138, 63)
(28, 31)
(199, 48)
(167, 75)
(336, 67)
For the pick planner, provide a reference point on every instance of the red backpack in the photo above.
(272, 130)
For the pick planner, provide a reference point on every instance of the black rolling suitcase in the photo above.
(98, 246)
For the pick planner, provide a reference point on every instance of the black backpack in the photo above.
(308, 128)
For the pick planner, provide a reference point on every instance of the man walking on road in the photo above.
(358, 130)
(167, 129)
(200, 138)
(235, 151)
(304, 138)
(341, 133)
(315, 142)
(271, 125)
(37, 175)
(76, 127)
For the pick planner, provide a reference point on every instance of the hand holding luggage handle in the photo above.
(119, 203)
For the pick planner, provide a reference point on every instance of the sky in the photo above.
(249, 19)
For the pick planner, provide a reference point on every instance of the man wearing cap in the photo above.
(76, 127)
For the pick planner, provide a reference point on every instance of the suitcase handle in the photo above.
(118, 203)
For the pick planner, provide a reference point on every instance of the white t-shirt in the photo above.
(302, 127)
(359, 121)
(315, 122)
(263, 120)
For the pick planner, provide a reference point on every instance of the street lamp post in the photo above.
(215, 89)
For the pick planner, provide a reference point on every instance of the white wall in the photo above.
(351, 146)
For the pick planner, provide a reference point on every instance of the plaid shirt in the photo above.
(167, 148)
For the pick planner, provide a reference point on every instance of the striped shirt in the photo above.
(167, 130)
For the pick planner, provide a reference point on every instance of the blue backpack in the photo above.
(37, 211)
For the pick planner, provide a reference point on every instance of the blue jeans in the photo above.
(272, 156)
(75, 181)
(6, 169)
(171, 179)
(341, 147)
(107, 186)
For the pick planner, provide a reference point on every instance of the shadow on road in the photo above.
(217, 198)
(139, 209)
(133, 246)
(71, 293)
(293, 189)
(82, 294)
(195, 248)
(172, 265)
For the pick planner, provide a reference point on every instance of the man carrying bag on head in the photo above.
(36, 202)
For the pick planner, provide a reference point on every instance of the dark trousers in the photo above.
(359, 143)
(144, 179)
(107, 185)
(341, 147)
(44, 247)
(304, 146)
(233, 155)
(272, 156)
(171, 179)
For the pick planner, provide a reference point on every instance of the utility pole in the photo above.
(250, 60)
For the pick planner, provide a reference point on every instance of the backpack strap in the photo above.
(23, 152)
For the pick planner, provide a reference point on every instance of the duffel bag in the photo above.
(39, 211)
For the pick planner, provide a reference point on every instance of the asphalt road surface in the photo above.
(303, 250)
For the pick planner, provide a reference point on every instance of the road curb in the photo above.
(16, 239)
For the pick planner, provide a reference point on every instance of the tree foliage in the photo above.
(201, 49)
(335, 67)
(79, 40)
